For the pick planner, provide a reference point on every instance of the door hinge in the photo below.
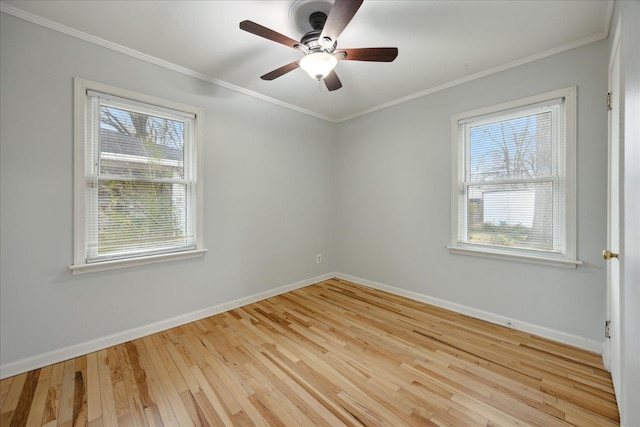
(607, 329)
(609, 108)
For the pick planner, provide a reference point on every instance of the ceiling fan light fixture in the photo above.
(318, 64)
(327, 20)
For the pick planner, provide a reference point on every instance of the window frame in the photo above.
(459, 205)
(81, 194)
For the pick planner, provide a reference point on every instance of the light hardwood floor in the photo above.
(332, 354)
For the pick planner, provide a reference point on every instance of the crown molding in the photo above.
(35, 19)
(494, 70)
(46, 23)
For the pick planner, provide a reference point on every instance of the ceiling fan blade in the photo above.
(376, 54)
(259, 30)
(340, 15)
(278, 72)
(332, 81)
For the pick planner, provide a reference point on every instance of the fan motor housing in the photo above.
(312, 39)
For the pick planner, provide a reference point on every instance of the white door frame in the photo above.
(612, 347)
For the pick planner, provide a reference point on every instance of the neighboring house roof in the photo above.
(122, 145)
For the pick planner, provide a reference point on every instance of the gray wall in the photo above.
(371, 194)
(268, 198)
(393, 224)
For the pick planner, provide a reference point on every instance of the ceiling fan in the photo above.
(320, 44)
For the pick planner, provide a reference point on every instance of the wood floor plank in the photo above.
(195, 412)
(173, 396)
(171, 368)
(21, 412)
(5, 386)
(13, 396)
(65, 404)
(211, 396)
(183, 367)
(39, 399)
(206, 409)
(330, 354)
(156, 391)
(80, 399)
(107, 403)
(133, 394)
(94, 408)
(53, 395)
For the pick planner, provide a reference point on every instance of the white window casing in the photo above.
(138, 199)
(513, 181)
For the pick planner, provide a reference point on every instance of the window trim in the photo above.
(568, 259)
(80, 265)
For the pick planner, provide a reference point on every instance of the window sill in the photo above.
(133, 262)
(555, 262)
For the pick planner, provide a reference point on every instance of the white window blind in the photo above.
(511, 170)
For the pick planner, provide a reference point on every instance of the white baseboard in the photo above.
(542, 331)
(55, 356)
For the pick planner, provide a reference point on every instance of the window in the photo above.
(137, 179)
(514, 180)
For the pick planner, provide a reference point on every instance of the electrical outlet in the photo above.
(319, 259)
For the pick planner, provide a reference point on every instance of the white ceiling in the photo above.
(440, 43)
